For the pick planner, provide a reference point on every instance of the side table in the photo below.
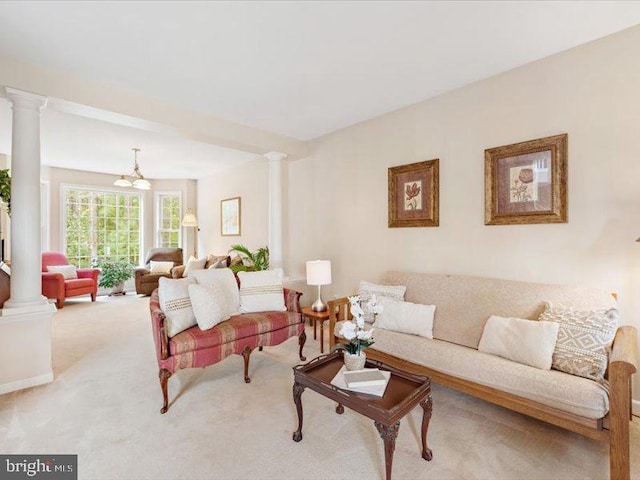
(315, 317)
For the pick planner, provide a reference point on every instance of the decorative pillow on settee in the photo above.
(176, 304)
(366, 289)
(261, 291)
(584, 339)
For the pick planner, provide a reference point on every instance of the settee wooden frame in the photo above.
(612, 429)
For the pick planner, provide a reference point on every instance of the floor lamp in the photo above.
(190, 220)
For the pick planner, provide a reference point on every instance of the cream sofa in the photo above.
(463, 305)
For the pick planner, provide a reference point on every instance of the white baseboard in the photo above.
(635, 407)
(26, 383)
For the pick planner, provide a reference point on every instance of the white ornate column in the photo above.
(26, 278)
(275, 208)
(27, 318)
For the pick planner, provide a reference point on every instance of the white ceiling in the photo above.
(301, 69)
(71, 141)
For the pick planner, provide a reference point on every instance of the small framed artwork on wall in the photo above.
(413, 195)
(526, 182)
(230, 217)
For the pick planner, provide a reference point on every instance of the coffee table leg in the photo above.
(297, 394)
(427, 405)
(339, 409)
(389, 433)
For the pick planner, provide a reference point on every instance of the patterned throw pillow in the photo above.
(209, 305)
(221, 261)
(394, 292)
(176, 304)
(584, 339)
(69, 272)
(261, 291)
(161, 268)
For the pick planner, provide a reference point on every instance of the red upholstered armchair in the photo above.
(55, 286)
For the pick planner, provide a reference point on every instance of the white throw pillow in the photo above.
(224, 280)
(406, 317)
(528, 342)
(69, 272)
(160, 267)
(261, 291)
(194, 264)
(176, 304)
(367, 289)
(209, 305)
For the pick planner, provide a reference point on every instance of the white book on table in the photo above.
(368, 377)
(377, 390)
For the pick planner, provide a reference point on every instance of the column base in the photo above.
(12, 307)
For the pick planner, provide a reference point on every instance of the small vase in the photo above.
(354, 361)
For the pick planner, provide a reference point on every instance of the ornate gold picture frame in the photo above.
(526, 182)
(414, 195)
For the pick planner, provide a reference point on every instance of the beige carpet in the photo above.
(104, 406)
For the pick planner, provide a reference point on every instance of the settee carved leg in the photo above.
(164, 375)
(246, 353)
(260, 348)
(301, 339)
(427, 405)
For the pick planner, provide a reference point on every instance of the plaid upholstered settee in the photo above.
(239, 335)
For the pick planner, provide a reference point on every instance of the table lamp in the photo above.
(319, 273)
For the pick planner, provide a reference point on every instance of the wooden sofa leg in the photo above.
(260, 348)
(59, 303)
(164, 375)
(301, 339)
(246, 353)
(93, 297)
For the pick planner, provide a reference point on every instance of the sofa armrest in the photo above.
(142, 271)
(160, 337)
(292, 300)
(624, 352)
(338, 311)
(178, 271)
(89, 273)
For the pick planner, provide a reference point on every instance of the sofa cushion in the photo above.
(69, 272)
(224, 280)
(463, 304)
(584, 339)
(261, 291)
(77, 283)
(523, 341)
(565, 392)
(176, 305)
(237, 327)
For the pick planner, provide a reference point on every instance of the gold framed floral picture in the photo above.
(414, 195)
(230, 217)
(526, 182)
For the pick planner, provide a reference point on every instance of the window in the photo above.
(168, 208)
(101, 225)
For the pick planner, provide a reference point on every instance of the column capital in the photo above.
(23, 99)
(275, 156)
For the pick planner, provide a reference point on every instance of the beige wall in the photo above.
(592, 93)
(249, 181)
(57, 177)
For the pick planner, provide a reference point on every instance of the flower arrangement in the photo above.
(354, 331)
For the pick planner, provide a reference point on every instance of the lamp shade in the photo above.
(122, 182)
(318, 272)
(189, 219)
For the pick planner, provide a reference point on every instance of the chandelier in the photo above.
(136, 179)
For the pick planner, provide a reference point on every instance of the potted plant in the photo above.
(113, 274)
(356, 334)
(258, 260)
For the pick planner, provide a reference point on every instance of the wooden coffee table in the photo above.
(403, 393)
